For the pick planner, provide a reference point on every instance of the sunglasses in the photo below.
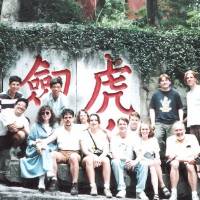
(45, 113)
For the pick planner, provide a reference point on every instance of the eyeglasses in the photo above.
(45, 113)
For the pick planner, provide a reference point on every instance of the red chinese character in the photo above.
(39, 78)
(116, 84)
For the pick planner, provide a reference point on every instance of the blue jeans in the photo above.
(118, 167)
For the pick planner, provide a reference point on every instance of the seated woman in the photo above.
(38, 159)
(82, 118)
(95, 147)
(149, 154)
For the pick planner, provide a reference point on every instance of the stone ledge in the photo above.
(12, 175)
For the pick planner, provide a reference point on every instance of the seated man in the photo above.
(68, 140)
(182, 149)
(123, 146)
(14, 126)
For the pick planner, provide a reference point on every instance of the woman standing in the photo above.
(149, 154)
(95, 147)
(38, 159)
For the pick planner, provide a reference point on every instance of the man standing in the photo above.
(68, 140)
(165, 108)
(123, 146)
(9, 97)
(56, 99)
(181, 150)
(193, 103)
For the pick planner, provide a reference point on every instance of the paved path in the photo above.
(20, 193)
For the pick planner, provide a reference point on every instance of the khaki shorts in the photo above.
(67, 154)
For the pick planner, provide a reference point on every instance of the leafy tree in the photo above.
(194, 14)
(174, 13)
(113, 14)
(62, 11)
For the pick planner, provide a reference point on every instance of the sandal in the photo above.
(198, 174)
(165, 191)
(155, 197)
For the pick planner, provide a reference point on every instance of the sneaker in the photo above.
(74, 189)
(195, 196)
(142, 196)
(53, 185)
(93, 191)
(121, 194)
(41, 189)
(107, 193)
(173, 196)
(13, 153)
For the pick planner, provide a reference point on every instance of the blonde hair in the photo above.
(195, 74)
(151, 131)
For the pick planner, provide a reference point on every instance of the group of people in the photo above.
(135, 146)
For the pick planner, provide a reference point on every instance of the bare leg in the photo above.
(74, 166)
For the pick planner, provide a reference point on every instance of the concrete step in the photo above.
(21, 193)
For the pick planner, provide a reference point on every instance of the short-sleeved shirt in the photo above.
(188, 148)
(58, 105)
(149, 146)
(193, 106)
(166, 105)
(100, 138)
(124, 148)
(6, 101)
(68, 140)
(7, 117)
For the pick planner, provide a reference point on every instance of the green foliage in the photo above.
(62, 11)
(194, 18)
(150, 51)
(113, 14)
(173, 13)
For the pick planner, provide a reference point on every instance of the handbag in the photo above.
(97, 151)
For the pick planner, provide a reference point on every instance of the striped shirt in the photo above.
(6, 101)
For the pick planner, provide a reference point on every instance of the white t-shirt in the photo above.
(193, 106)
(188, 148)
(149, 146)
(124, 148)
(100, 138)
(68, 140)
(7, 117)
